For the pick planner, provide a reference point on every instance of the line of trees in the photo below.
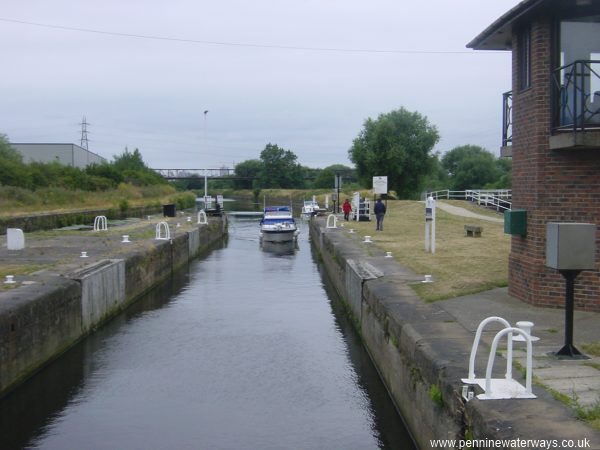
(398, 144)
(276, 168)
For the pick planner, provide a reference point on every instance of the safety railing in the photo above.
(577, 104)
(498, 199)
(507, 119)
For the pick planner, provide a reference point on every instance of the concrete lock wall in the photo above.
(41, 320)
(422, 352)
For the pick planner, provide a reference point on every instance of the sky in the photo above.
(304, 75)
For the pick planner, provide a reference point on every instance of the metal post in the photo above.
(569, 350)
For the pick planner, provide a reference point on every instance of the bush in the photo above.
(184, 200)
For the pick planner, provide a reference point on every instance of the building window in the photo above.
(525, 59)
(577, 79)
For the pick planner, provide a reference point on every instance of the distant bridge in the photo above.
(224, 174)
(191, 174)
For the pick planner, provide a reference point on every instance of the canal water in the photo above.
(248, 348)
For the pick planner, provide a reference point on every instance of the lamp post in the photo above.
(204, 148)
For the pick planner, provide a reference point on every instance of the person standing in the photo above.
(380, 210)
(347, 208)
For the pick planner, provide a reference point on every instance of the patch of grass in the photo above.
(592, 364)
(461, 265)
(16, 201)
(590, 414)
(436, 395)
(15, 269)
(591, 348)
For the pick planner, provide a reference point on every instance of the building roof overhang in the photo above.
(498, 36)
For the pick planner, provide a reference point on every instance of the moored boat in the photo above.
(311, 208)
(278, 225)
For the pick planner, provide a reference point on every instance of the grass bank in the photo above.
(461, 265)
(17, 201)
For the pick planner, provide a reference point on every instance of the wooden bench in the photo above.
(473, 230)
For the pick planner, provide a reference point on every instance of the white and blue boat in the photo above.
(278, 225)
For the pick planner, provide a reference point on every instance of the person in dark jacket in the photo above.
(379, 214)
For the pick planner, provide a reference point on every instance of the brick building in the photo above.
(552, 131)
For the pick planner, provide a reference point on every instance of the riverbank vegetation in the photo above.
(461, 265)
(398, 144)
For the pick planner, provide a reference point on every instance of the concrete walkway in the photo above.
(458, 211)
(578, 380)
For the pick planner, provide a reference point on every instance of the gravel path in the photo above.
(458, 211)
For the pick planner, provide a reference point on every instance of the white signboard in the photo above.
(380, 185)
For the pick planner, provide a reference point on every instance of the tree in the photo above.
(251, 168)
(7, 152)
(396, 145)
(280, 168)
(134, 170)
(326, 177)
(470, 167)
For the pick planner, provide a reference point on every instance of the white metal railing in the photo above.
(499, 199)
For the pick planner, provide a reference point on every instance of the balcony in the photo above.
(576, 115)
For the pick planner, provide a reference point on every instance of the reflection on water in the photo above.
(279, 248)
(248, 349)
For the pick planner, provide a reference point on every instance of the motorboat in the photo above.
(278, 225)
(311, 208)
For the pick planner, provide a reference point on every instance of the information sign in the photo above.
(380, 185)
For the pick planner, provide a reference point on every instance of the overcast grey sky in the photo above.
(277, 83)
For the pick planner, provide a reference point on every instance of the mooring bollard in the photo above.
(526, 326)
(427, 279)
(10, 279)
(388, 254)
(125, 238)
(84, 255)
(367, 240)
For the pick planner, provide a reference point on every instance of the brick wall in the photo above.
(553, 186)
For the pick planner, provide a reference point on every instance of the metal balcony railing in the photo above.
(507, 119)
(577, 104)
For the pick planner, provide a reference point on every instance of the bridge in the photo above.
(225, 173)
(189, 174)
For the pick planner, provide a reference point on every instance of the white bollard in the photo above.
(10, 279)
(189, 219)
(367, 240)
(84, 255)
(125, 238)
(427, 279)
(526, 326)
(351, 231)
(388, 254)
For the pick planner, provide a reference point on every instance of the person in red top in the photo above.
(347, 208)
